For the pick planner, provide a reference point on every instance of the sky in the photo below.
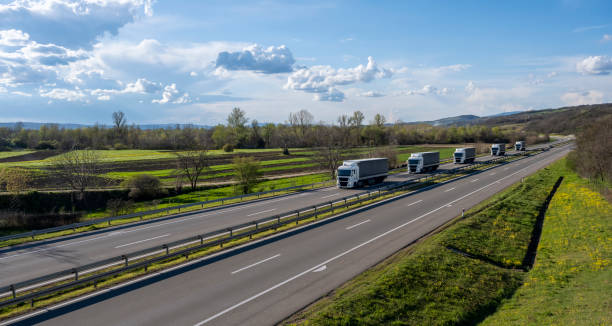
(191, 62)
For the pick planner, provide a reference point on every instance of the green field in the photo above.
(458, 276)
(14, 153)
(210, 194)
(571, 282)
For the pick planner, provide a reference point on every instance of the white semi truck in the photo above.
(520, 146)
(356, 173)
(465, 155)
(423, 162)
(498, 149)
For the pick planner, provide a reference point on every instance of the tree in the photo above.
(237, 121)
(15, 180)
(78, 168)
(329, 157)
(300, 122)
(192, 164)
(144, 186)
(379, 120)
(119, 122)
(246, 173)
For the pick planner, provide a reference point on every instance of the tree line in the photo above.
(299, 130)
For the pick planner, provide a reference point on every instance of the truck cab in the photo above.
(348, 175)
(520, 146)
(498, 149)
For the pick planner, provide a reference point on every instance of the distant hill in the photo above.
(561, 120)
(37, 125)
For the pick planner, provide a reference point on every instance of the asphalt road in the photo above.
(24, 262)
(265, 282)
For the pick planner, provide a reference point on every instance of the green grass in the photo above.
(14, 153)
(445, 152)
(428, 284)
(167, 173)
(571, 282)
(216, 193)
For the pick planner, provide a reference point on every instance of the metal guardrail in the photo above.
(109, 220)
(185, 247)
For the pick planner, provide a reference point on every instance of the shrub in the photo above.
(285, 150)
(47, 144)
(120, 146)
(228, 148)
(119, 206)
(144, 186)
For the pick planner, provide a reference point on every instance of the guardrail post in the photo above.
(315, 211)
(141, 217)
(167, 249)
(76, 274)
(331, 206)
(201, 239)
(462, 212)
(109, 222)
(12, 287)
(124, 257)
(231, 233)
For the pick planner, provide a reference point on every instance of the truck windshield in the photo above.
(413, 161)
(458, 154)
(344, 172)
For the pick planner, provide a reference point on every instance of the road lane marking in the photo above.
(255, 264)
(447, 190)
(358, 224)
(269, 210)
(330, 195)
(474, 180)
(274, 287)
(416, 202)
(141, 241)
(320, 269)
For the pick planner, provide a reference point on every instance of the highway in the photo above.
(27, 261)
(266, 281)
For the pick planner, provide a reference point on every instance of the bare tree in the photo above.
(15, 180)
(119, 122)
(191, 164)
(329, 157)
(300, 122)
(78, 168)
(246, 172)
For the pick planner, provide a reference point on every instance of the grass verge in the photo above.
(457, 276)
(571, 282)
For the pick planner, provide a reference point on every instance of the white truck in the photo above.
(465, 155)
(356, 173)
(498, 149)
(520, 146)
(423, 162)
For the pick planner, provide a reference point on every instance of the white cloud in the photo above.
(606, 38)
(68, 22)
(428, 90)
(13, 37)
(588, 97)
(595, 65)
(140, 86)
(21, 93)
(372, 94)
(172, 95)
(269, 60)
(332, 95)
(320, 79)
(64, 94)
(451, 68)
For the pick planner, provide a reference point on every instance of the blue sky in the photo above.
(193, 61)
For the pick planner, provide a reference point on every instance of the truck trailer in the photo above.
(356, 173)
(520, 146)
(423, 162)
(498, 149)
(465, 155)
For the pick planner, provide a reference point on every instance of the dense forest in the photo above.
(300, 130)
